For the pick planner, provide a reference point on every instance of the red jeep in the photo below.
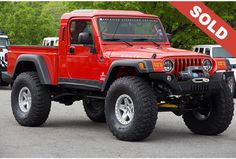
(121, 64)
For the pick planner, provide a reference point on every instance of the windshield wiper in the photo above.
(145, 39)
(126, 42)
(116, 39)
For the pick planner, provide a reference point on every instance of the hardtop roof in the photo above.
(92, 13)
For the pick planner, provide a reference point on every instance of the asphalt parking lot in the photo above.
(69, 133)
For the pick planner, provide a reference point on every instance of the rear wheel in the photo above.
(94, 109)
(130, 109)
(214, 116)
(30, 101)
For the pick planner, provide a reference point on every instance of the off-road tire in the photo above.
(231, 82)
(94, 108)
(219, 118)
(145, 111)
(41, 102)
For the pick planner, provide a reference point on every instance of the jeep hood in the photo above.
(147, 52)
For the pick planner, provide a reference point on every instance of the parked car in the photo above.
(217, 51)
(4, 42)
(121, 65)
(50, 41)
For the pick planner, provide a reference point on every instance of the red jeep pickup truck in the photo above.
(121, 65)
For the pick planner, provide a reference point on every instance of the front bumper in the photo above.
(189, 87)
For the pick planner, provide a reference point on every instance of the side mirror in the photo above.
(84, 38)
(169, 36)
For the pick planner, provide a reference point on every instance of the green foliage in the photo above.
(29, 22)
(25, 23)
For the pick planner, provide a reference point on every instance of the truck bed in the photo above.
(34, 48)
(49, 55)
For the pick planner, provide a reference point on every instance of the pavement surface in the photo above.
(69, 133)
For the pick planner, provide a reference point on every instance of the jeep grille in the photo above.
(181, 64)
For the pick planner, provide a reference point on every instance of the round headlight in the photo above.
(168, 65)
(207, 64)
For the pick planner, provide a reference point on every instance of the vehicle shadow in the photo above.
(160, 133)
(169, 134)
(73, 123)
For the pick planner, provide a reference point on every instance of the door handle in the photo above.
(72, 50)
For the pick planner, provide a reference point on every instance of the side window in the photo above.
(52, 43)
(196, 49)
(201, 50)
(207, 51)
(47, 43)
(80, 26)
(56, 43)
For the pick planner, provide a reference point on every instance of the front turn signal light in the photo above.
(158, 65)
(221, 64)
(141, 66)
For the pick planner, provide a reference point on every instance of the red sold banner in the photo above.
(210, 23)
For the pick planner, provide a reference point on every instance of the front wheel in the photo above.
(214, 115)
(130, 109)
(30, 101)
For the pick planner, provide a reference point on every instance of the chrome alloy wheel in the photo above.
(25, 99)
(124, 109)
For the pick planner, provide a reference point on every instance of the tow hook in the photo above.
(201, 80)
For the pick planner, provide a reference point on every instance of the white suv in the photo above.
(217, 51)
(50, 41)
(4, 42)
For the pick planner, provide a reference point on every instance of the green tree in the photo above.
(25, 23)
(55, 10)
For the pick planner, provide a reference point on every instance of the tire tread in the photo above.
(147, 120)
(40, 106)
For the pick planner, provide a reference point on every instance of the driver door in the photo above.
(81, 62)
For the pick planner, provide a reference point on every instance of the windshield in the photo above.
(221, 52)
(4, 42)
(131, 29)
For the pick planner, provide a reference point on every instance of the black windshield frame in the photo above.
(163, 39)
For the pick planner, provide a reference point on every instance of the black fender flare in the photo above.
(40, 65)
(127, 63)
